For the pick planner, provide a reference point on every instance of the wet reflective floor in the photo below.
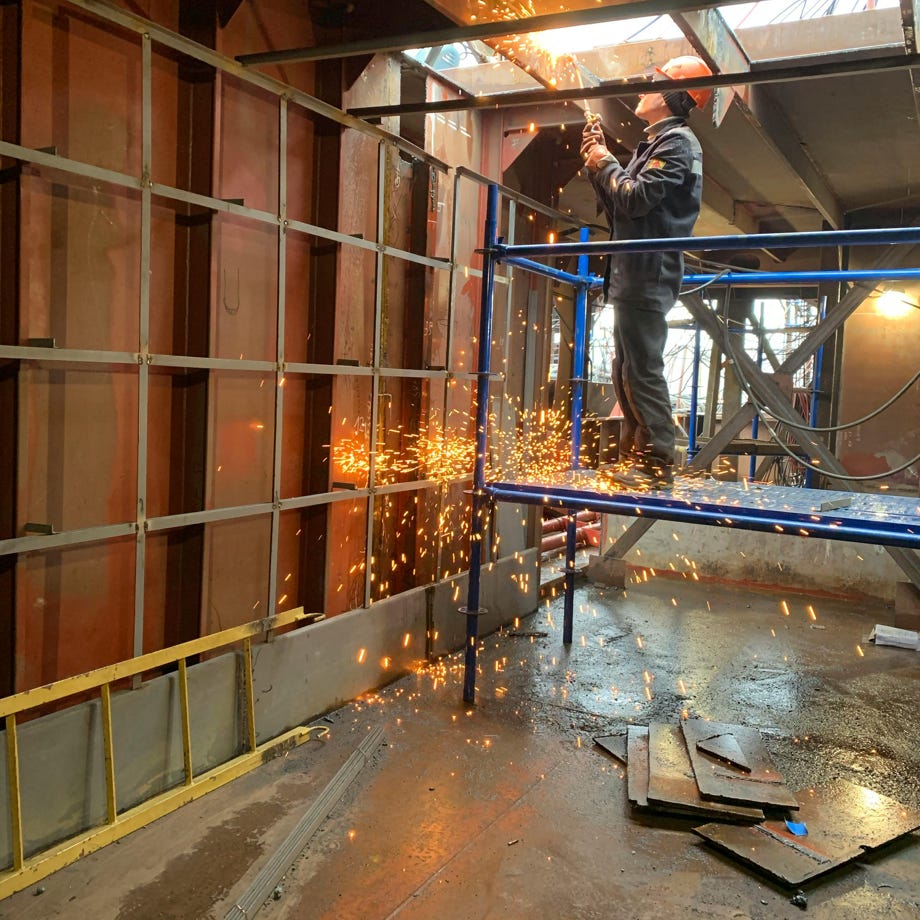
(509, 810)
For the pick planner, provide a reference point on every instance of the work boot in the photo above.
(646, 475)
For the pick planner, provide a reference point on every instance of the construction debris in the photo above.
(892, 635)
(761, 784)
(268, 882)
(683, 771)
(614, 744)
(725, 747)
(660, 778)
(844, 822)
(671, 781)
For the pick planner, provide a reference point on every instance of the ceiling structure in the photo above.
(815, 119)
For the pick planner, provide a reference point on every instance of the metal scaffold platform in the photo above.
(885, 520)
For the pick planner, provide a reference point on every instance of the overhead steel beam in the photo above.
(710, 35)
(773, 125)
(715, 42)
(482, 31)
(809, 68)
(721, 202)
(910, 20)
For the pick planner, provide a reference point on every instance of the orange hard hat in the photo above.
(685, 67)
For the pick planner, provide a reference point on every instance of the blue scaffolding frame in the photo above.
(888, 521)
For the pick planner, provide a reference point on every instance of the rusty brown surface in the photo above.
(762, 785)
(725, 747)
(671, 782)
(615, 745)
(875, 366)
(637, 757)
(843, 821)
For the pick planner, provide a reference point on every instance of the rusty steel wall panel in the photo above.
(236, 572)
(68, 622)
(82, 80)
(876, 364)
(353, 408)
(114, 444)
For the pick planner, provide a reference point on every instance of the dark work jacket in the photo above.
(656, 195)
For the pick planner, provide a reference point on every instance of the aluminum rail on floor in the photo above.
(889, 523)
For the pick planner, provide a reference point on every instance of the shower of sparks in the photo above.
(539, 450)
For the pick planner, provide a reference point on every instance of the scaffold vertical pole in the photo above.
(483, 370)
(692, 448)
(817, 367)
(578, 369)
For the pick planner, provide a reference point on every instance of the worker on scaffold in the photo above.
(657, 194)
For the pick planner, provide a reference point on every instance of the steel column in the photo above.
(815, 389)
(143, 383)
(280, 304)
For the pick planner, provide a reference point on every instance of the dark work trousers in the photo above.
(639, 334)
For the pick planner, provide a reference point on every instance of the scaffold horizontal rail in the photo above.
(885, 520)
(876, 237)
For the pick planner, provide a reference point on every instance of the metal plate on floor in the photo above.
(843, 822)
(725, 747)
(671, 782)
(637, 772)
(614, 744)
(762, 785)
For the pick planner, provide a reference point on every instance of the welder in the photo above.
(656, 195)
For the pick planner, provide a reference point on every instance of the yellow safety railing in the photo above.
(25, 870)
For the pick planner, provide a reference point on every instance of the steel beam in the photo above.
(910, 22)
(482, 31)
(772, 124)
(709, 34)
(143, 370)
(715, 42)
(808, 68)
(721, 202)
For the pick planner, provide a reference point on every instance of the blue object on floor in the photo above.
(798, 828)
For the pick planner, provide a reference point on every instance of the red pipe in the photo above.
(584, 536)
(552, 525)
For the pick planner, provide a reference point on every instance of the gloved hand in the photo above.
(595, 155)
(591, 134)
(592, 138)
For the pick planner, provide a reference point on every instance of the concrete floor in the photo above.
(508, 810)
